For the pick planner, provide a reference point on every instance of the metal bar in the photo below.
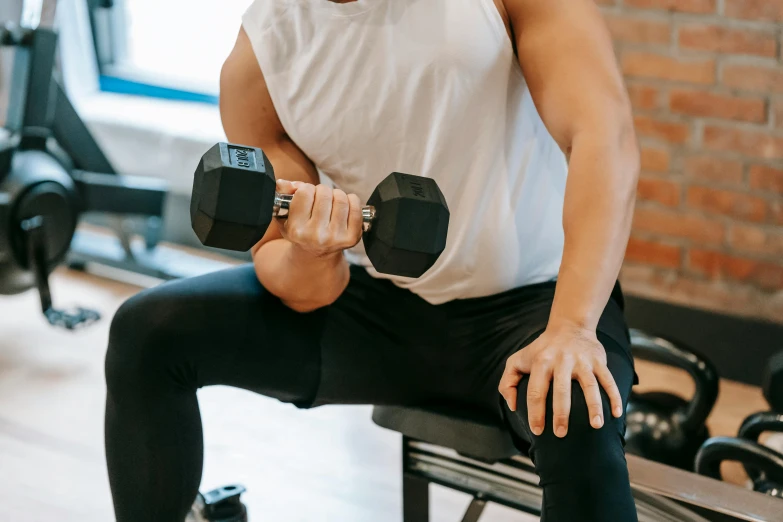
(475, 509)
(492, 485)
(121, 194)
(513, 483)
(415, 499)
(692, 489)
(95, 252)
(19, 80)
(415, 491)
(73, 136)
(32, 86)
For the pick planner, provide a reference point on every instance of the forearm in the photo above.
(302, 281)
(597, 215)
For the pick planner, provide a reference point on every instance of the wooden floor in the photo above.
(329, 464)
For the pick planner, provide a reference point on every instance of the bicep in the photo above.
(567, 58)
(249, 118)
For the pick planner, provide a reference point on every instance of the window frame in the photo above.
(108, 22)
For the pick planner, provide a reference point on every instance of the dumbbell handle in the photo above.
(283, 203)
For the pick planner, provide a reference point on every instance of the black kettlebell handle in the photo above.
(718, 449)
(758, 423)
(701, 370)
(754, 426)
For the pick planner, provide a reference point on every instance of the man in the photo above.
(487, 97)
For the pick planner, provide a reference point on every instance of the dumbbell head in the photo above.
(408, 233)
(233, 195)
(772, 382)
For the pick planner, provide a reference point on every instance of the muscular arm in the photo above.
(303, 281)
(567, 59)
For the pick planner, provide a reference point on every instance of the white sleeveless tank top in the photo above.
(426, 87)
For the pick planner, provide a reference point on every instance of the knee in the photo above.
(585, 453)
(140, 340)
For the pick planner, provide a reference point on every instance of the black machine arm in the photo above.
(121, 194)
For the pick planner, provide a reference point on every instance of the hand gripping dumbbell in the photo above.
(234, 201)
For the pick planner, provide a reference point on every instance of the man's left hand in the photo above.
(561, 354)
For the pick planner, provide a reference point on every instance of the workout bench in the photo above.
(477, 456)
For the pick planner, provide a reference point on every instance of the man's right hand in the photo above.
(321, 221)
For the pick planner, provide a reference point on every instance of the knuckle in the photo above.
(305, 189)
(544, 358)
(583, 367)
(591, 385)
(534, 394)
(323, 194)
(323, 238)
(560, 418)
(563, 388)
(585, 359)
(566, 358)
(594, 406)
(309, 237)
(512, 362)
(294, 233)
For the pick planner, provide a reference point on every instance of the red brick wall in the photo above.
(706, 81)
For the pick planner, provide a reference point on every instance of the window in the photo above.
(165, 48)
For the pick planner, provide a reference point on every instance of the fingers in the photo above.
(322, 206)
(610, 387)
(537, 389)
(561, 398)
(592, 393)
(508, 385)
(340, 209)
(301, 206)
(354, 218)
(285, 187)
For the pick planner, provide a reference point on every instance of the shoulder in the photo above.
(263, 14)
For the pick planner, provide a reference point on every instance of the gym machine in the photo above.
(52, 172)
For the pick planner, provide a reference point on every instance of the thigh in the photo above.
(498, 327)
(381, 344)
(224, 328)
(220, 328)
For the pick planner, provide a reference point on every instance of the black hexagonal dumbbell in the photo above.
(234, 201)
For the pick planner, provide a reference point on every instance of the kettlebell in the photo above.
(767, 461)
(754, 425)
(664, 427)
(219, 505)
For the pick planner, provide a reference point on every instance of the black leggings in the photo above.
(378, 344)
